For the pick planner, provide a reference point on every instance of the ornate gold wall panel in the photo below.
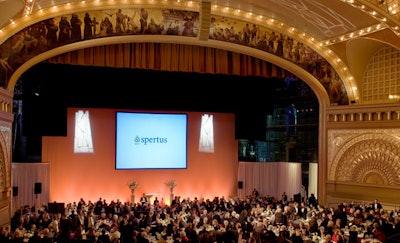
(367, 156)
(6, 120)
(362, 154)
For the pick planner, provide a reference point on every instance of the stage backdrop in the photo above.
(93, 175)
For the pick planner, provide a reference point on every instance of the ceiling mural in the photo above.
(62, 30)
(330, 22)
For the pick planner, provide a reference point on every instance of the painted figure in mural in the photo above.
(76, 32)
(106, 27)
(64, 36)
(154, 28)
(121, 19)
(173, 28)
(51, 29)
(253, 35)
(5, 64)
(336, 92)
(188, 27)
(246, 34)
(278, 46)
(88, 27)
(130, 23)
(324, 74)
(144, 15)
(262, 42)
(271, 41)
(29, 43)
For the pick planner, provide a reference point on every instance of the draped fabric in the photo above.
(313, 178)
(270, 178)
(172, 57)
(25, 175)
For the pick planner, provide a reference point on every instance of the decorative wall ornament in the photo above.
(132, 184)
(5, 160)
(171, 184)
(5, 168)
(364, 156)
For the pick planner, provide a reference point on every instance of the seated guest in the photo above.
(5, 235)
(369, 234)
(337, 236)
(379, 233)
(280, 217)
(142, 237)
(161, 238)
(328, 238)
(296, 236)
(79, 231)
(115, 235)
(19, 233)
(269, 235)
(35, 238)
(90, 234)
(353, 234)
(103, 237)
(48, 236)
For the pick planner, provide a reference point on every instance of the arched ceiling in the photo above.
(326, 26)
(320, 19)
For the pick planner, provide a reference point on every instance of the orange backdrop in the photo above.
(91, 176)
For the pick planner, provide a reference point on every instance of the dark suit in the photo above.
(303, 212)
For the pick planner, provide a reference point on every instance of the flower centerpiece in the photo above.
(315, 237)
(133, 184)
(171, 184)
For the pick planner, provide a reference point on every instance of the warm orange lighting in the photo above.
(220, 181)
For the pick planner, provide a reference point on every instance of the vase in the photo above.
(171, 195)
(132, 196)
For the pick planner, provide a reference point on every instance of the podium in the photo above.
(149, 196)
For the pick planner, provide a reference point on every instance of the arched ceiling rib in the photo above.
(320, 19)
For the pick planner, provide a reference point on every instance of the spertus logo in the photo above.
(146, 141)
(137, 139)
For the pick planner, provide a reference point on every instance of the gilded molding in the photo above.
(365, 156)
(363, 113)
(5, 160)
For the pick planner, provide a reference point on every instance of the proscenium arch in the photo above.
(308, 78)
(299, 72)
(324, 53)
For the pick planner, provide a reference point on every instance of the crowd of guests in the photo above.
(254, 219)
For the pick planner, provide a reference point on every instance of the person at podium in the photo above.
(143, 199)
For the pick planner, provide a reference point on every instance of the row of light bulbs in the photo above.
(392, 8)
(390, 16)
